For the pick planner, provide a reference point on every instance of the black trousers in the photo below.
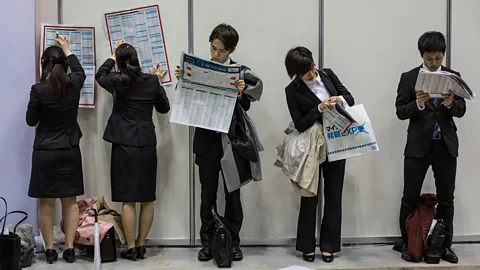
(330, 234)
(209, 168)
(444, 167)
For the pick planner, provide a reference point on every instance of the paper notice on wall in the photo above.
(142, 28)
(82, 43)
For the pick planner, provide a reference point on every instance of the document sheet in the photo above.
(82, 44)
(142, 28)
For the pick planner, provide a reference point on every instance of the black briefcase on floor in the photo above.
(221, 246)
(108, 247)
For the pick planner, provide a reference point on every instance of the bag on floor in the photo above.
(435, 243)
(10, 244)
(108, 247)
(356, 140)
(221, 246)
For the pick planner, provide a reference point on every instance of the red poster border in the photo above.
(94, 59)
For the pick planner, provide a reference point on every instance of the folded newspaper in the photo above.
(339, 117)
(440, 83)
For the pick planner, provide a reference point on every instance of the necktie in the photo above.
(436, 130)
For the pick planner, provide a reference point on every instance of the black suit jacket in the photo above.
(57, 119)
(131, 120)
(303, 103)
(204, 138)
(420, 129)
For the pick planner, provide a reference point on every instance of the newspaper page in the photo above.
(440, 83)
(142, 28)
(206, 94)
(82, 44)
(339, 118)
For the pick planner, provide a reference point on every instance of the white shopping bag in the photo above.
(356, 140)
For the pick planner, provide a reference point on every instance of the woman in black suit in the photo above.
(131, 131)
(56, 158)
(310, 93)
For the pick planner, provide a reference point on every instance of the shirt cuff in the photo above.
(112, 59)
(420, 107)
(69, 54)
(344, 102)
(448, 106)
(318, 107)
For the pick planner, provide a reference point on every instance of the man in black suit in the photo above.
(431, 141)
(209, 149)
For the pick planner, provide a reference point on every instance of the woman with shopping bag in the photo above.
(56, 158)
(311, 93)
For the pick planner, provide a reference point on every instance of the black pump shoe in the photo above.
(309, 258)
(327, 258)
(141, 250)
(129, 254)
(51, 256)
(69, 255)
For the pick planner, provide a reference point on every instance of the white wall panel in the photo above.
(465, 58)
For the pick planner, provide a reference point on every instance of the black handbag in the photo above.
(10, 245)
(108, 247)
(435, 244)
(221, 246)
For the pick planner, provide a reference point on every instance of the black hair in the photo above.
(130, 71)
(54, 67)
(432, 41)
(299, 61)
(226, 34)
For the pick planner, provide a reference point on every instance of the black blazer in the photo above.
(204, 137)
(420, 129)
(303, 103)
(131, 120)
(57, 119)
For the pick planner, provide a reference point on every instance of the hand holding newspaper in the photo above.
(339, 117)
(441, 83)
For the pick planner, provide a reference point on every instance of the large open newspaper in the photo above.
(440, 83)
(206, 94)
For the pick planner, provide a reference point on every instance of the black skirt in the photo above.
(133, 173)
(56, 173)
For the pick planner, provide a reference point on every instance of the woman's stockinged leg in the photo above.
(45, 219)
(129, 220)
(146, 219)
(70, 212)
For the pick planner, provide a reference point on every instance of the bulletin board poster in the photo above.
(82, 43)
(142, 28)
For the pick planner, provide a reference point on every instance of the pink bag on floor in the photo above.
(86, 221)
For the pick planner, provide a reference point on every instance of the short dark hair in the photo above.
(299, 61)
(432, 41)
(226, 34)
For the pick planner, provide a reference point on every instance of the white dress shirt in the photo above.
(320, 90)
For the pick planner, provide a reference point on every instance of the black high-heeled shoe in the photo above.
(141, 250)
(51, 256)
(327, 258)
(129, 254)
(309, 258)
(69, 255)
